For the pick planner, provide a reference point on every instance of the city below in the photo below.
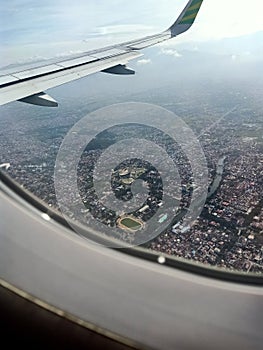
(228, 123)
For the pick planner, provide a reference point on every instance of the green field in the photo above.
(130, 223)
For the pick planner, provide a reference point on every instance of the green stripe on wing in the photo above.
(191, 12)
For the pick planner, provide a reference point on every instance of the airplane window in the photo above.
(169, 159)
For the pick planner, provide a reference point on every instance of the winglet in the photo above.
(186, 18)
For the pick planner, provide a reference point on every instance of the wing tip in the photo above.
(186, 18)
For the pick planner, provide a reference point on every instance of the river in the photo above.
(218, 178)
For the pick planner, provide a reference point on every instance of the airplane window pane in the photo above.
(169, 159)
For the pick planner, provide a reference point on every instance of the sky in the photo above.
(42, 29)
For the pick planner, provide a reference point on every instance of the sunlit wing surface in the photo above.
(27, 85)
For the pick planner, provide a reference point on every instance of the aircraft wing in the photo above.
(28, 84)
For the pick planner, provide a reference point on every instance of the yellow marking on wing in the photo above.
(195, 7)
(192, 16)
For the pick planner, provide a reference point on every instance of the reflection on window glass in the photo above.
(198, 101)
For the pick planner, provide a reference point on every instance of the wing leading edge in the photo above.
(27, 85)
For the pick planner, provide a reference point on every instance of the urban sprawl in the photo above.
(228, 233)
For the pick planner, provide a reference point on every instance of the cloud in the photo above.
(245, 56)
(121, 29)
(171, 52)
(144, 61)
